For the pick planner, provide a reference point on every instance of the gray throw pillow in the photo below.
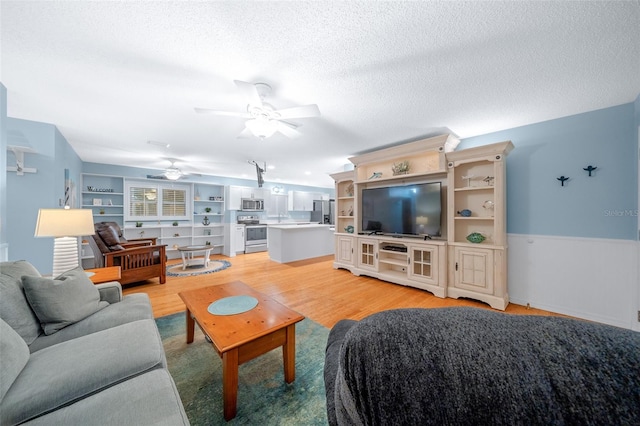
(62, 301)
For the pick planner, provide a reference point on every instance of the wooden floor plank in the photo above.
(311, 287)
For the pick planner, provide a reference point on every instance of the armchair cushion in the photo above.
(113, 225)
(110, 237)
(64, 300)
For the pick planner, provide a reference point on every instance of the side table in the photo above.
(103, 275)
(188, 253)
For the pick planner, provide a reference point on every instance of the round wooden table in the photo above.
(188, 253)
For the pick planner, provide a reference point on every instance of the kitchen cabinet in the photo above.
(277, 205)
(239, 238)
(302, 201)
(235, 194)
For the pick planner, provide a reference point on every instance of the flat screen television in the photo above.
(414, 209)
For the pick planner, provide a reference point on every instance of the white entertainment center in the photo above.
(469, 256)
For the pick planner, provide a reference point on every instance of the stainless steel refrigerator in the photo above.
(323, 211)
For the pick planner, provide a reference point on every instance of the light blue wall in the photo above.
(637, 138)
(3, 173)
(45, 189)
(602, 206)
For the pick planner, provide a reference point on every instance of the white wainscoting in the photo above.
(589, 278)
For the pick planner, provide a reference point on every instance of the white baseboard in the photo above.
(589, 278)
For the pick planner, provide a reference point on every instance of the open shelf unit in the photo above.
(104, 195)
(477, 206)
(205, 226)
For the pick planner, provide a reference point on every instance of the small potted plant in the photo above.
(138, 224)
(101, 211)
(175, 223)
(207, 209)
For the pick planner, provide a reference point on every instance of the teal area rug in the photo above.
(263, 396)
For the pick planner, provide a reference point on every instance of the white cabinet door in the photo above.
(233, 198)
(423, 263)
(301, 201)
(239, 239)
(473, 269)
(276, 205)
(368, 254)
(344, 250)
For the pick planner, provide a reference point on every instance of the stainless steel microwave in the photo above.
(252, 204)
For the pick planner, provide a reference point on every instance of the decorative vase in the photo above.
(475, 237)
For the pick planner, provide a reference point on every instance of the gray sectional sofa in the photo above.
(78, 354)
(470, 366)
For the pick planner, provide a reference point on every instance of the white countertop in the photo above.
(294, 226)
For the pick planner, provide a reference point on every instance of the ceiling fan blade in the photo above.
(250, 91)
(299, 111)
(288, 131)
(244, 134)
(225, 113)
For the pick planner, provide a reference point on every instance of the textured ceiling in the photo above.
(114, 75)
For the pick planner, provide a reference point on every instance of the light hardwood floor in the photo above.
(311, 287)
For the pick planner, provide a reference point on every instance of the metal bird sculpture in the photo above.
(589, 169)
(562, 179)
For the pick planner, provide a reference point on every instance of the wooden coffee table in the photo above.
(242, 337)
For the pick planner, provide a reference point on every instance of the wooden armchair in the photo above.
(138, 260)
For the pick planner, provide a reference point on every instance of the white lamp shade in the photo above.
(64, 223)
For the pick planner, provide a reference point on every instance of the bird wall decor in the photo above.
(562, 179)
(589, 169)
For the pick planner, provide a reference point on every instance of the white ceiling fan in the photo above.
(263, 119)
(172, 172)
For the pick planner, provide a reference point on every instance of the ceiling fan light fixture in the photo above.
(262, 128)
(172, 173)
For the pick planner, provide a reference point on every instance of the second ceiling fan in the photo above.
(263, 120)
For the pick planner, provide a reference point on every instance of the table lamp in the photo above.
(65, 225)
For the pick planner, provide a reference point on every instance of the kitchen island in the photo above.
(291, 242)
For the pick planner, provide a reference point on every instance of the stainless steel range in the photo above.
(255, 234)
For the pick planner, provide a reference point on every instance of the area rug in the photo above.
(263, 396)
(214, 266)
